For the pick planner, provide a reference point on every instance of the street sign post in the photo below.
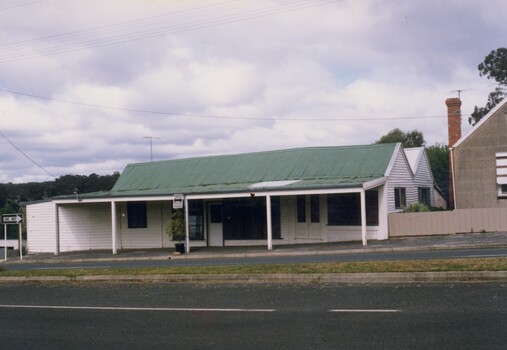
(5, 242)
(13, 219)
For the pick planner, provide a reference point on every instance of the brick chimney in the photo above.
(454, 134)
(453, 119)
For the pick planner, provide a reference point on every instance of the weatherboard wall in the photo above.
(400, 177)
(85, 226)
(423, 176)
(149, 237)
(40, 224)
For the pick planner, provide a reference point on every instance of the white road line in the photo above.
(114, 308)
(365, 310)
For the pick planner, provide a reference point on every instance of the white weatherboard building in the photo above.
(306, 195)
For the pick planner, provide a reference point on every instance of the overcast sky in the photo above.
(82, 83)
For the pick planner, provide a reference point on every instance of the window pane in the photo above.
(301, 208)
(400, 198)
(136, 215)
(344, 209)
(245, 218)
(314, 208)
(196, 219)
(424, 196)
(372, 208)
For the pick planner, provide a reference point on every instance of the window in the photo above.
(502, 191)
(314, 208)
(400, 198)
(501, 174)
(196, 219)
(424, 196)
(372, 208)
(345, 209)
(136, 215)
(301, 208)
(501, 170)
(245, 218)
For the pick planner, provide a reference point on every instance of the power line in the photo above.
(80, 40)
(100, 29)
(26, 155)
(20, 5)
(207, 116)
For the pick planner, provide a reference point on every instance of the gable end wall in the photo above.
(400, 176)
(424, 178)
(475, 164)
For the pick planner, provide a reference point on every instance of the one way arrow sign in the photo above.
(12, 219)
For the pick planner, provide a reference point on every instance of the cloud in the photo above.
(357, 62)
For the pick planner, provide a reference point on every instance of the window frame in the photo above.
(502, 191)
(137, 215)
(400, 197)
(421, 194)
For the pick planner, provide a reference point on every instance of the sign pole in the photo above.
(5, 241)
(20, 242)
(13, 219)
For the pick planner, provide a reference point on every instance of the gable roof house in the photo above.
(479, 161)
(305, 195)
(427, 192)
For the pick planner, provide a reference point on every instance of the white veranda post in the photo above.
(187, 228)
(114, 226)
(268, 223)
(363, 217)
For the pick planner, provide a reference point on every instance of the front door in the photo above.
(215, 226)
(308, 217)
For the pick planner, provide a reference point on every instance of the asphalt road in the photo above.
(418, 255)
(188, 316)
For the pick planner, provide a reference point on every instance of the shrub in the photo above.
(416, 208)
(176, 227)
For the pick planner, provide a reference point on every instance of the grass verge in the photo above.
(439, 265)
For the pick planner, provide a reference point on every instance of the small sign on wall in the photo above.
(178, 201)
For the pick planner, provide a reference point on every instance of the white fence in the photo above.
(448, 222)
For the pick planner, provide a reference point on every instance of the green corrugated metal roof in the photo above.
(318, 167)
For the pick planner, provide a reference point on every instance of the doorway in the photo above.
(215, 225)
(308, 217)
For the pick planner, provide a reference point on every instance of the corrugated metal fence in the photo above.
(448, 222)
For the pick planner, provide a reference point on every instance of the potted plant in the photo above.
(176, 230)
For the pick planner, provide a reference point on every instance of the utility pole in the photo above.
(151, 145)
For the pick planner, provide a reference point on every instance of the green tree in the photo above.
(408, 139)
(12, 194)
(438, 156)
(493, 67)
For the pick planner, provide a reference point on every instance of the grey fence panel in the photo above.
(448, 222)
